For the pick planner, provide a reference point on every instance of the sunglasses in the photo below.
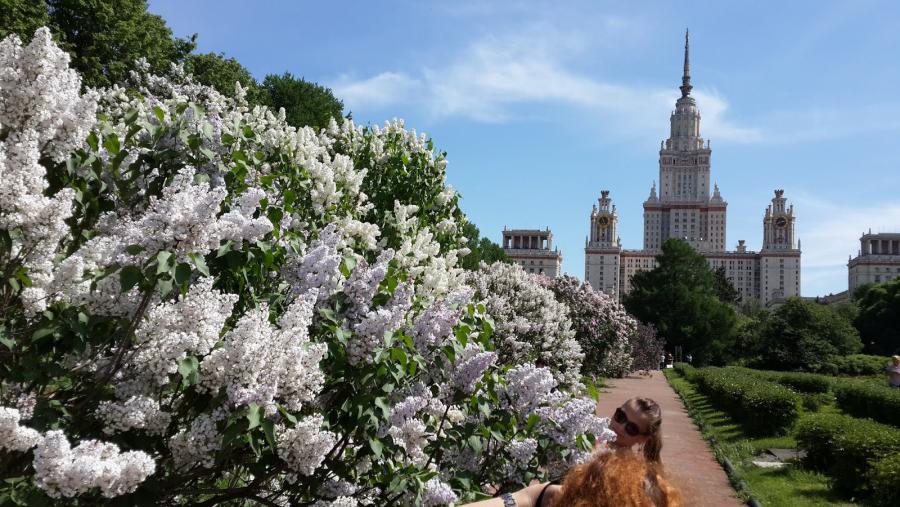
(630, 427)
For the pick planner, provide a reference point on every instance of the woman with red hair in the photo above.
(609, 479)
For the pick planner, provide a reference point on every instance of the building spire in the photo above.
(686, 77)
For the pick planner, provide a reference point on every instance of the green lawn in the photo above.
(789, 486)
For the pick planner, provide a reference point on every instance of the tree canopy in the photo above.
(304, 102)
(106, 38)
(879, 317)
(221, 72)
(680, 298)
(481, 249)
(804, 335)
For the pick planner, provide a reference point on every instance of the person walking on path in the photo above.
(690, 463)
(893, 372)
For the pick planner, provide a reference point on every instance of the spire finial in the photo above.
(686, 77)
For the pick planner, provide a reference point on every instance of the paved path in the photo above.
(688, 460)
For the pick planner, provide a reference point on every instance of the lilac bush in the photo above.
(602, 326)
(202, 305)
(531, 325)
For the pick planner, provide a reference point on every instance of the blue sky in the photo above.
(540, 105)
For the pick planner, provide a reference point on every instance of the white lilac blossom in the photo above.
(602, 326)
(305, 446)
(369, 333)
(528, 387)
(65, 471)
(197, 444)
(436, 323)
(362, 285)
(170, 332)
(318, 268)
(343, 501)
(14, 437)
(469, 367)
(412, 436)
(43, 114)
(137, 412)
(183, 220)
(258, 363)
(571, 418)
(523, 450)
(531, 326)
(437, 492)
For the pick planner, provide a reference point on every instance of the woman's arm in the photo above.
(526, 497)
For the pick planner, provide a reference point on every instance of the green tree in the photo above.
(680, 298)
(725, 288)
(482, 249)
(304, 102)
(105, 38)
(804, 335)
(22, 17)
(879, 317)
(221, 73)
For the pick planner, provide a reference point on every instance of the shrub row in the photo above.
(797, 381)
(857, 364)
(865, 399)
(764, 408)
(686, 370)
(861, 456)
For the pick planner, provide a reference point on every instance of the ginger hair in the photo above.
(618, 479)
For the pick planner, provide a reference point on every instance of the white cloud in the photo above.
(494, 74)
(830, 234)
(383, 89)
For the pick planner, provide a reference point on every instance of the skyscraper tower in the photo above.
(684, 208)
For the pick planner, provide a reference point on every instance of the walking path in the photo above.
(687, 458)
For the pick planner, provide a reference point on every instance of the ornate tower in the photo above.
(778, 224)
(780, 255)
(602, 250)
(683, 208)
(604, 223)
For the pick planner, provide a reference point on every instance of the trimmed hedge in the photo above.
(763, 407)
(686, 370)
(884, 479)
(859, 364)
(865, 399)
(849, 449)
(797, 381)
(804, 382)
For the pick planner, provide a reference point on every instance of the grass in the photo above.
(787, 486)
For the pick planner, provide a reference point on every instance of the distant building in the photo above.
(533, 250)
(878, 260)
(687, 207)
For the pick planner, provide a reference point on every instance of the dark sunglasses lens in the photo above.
(620, 416)
(632, 429)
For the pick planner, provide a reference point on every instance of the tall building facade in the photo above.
(533, 250)
(686, 206)
(878, 260)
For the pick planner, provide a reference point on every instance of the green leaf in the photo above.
(159, 113)
(162, 261)
(111, 143)
(269, 430)
(254, 415)
(376, 447)
(182, 272)
(383, 405)
(189, 368)
(165, 286)
(92, 141)
(134, 249)
(129, 277)
(199, 263)
(42, 333)
(475, 443)
(9, 342)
